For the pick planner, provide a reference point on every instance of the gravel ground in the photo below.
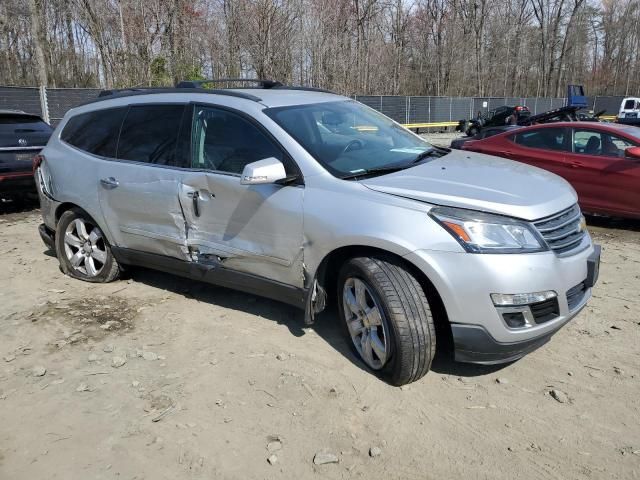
(157, 377)
(441, 139)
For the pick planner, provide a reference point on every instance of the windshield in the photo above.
(633, 132)
(348, 138)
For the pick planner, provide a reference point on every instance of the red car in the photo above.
(601, 161)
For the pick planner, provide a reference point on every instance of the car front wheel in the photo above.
(82, 249)
(388, 318)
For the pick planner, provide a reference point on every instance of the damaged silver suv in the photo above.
(309, 198)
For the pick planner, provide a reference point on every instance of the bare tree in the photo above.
(419, 47)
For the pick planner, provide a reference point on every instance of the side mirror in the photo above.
(269, 170)
(633, 152)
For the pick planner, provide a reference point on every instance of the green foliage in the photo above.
(160, 76)
(194, 72)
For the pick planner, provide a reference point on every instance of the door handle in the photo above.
(195, 195)
(109, 182)
(576, 165)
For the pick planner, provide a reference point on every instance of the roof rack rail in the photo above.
(198, 83)
(306, 89)
(115, 91)
(129, 92)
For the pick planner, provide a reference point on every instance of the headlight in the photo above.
(480, 232)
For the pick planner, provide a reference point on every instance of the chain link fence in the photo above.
(53, 103)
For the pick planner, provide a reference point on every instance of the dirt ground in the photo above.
(157, 377)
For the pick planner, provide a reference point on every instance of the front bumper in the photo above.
(473, 344)
(466, 281)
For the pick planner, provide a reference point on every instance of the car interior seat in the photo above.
(593, 145)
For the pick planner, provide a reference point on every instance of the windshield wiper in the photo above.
(432, 152)
(372, 171)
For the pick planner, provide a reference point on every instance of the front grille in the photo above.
(575, 295)
(563, 231)
(544, 311)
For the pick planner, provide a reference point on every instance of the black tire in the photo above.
(110, 269)
(406, 315)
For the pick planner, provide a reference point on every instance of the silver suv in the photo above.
(309, 198)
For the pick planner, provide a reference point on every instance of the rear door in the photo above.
(139, 189)
(606, 180)
(255, 229)
(542, 147)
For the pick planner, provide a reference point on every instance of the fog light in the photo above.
(514, 319)
(510, 299)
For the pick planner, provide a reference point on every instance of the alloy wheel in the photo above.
(366, 323)
(85, 247)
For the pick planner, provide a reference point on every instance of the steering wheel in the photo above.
(351, 146)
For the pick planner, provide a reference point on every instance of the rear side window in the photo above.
(150, 134)
(545, 138)
(629, 105)
(95, 132)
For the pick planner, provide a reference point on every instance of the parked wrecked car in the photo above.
(504, 115)
(600, 160)
(22, 136)
(312, 198)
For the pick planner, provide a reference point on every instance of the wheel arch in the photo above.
(66, 206)
(327, 277)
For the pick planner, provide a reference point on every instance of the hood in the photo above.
(480, 182)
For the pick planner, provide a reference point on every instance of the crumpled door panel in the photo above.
(255, 229)
(143, 212)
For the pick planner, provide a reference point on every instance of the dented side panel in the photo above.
(254, 229)
(143, 212)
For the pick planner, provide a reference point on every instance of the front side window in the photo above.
(348, 138)
(592, 142)
(556, 138)
(150, 134)
(95, 132)
(224, 141)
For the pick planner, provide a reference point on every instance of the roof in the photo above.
(281, 97)
(269, 97)
(578, 124)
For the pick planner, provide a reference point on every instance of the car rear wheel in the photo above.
(82, 249)
(387, 316)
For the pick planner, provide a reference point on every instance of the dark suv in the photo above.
(22, 136)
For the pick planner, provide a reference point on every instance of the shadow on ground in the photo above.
(21, 205)
(613, 223)
(327, 325)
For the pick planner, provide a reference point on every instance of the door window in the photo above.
(224, 141)
(592, 142)
(95, 132)
(150, 135)
(545, 138)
